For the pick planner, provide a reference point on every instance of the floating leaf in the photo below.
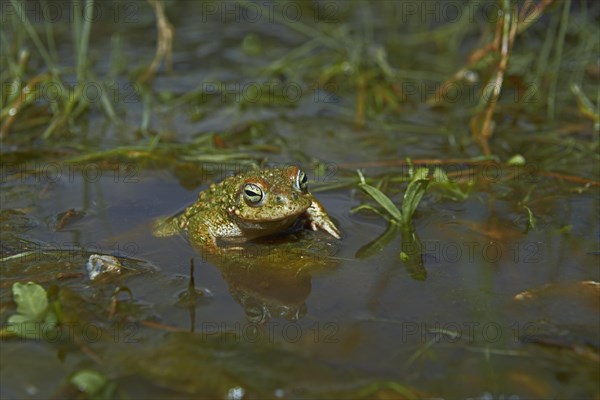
(31, 300)
(88, 381)
(33, 317)
(94, 384)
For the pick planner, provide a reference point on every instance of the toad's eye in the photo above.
(301, 181)
(253, 193)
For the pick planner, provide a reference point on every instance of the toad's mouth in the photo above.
(271, 223)
(253, 230)
(275, 218)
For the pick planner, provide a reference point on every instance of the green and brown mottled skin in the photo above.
(248, 206)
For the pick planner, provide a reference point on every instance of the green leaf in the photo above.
(31, 300)
(517, 159)
(414, 192)
(88, 381)
(380, 198)
(368, 207)
(33, 319)
(440, 178)
(421, 173)
(411, 167)
(404, 257)
(532, 221)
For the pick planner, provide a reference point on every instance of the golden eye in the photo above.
(301, 181)
(253, 193)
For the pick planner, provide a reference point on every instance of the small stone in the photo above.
(100, 265)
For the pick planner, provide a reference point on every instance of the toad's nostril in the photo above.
(280, 199)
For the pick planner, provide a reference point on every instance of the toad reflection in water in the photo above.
(238, 225)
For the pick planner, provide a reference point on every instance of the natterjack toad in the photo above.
(248, 206)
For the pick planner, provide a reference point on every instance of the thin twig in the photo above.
(164, 45)
(506, 37)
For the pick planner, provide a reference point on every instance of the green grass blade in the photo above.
(414, 193)
(84, 40)
(34, 36)
(530, 218)
(380, 198)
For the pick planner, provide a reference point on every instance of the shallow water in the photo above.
(497, 309)
(366, 316)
